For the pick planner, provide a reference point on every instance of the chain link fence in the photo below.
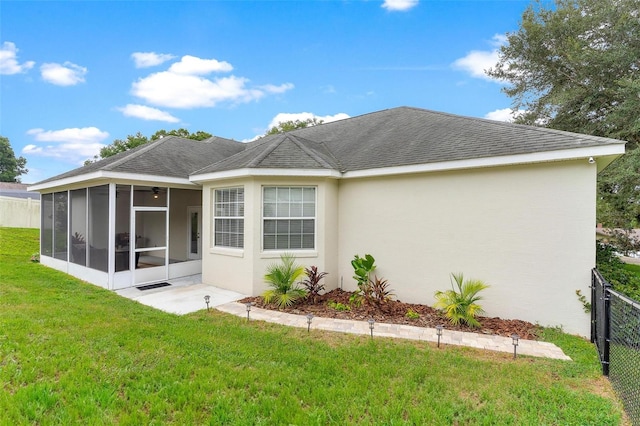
(615, 330)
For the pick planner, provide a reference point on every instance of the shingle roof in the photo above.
(389, 138)
(170, 156)
(282, 151)
(408, 136)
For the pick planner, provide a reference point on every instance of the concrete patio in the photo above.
(187, 295)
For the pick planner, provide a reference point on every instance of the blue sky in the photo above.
(74, 76)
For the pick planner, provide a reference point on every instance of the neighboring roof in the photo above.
(16, 190)
(388, 139)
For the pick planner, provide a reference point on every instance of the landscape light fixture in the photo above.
(309, 318)
(156, 192)
(248, 304)
(515, 339)
(207, 298)
(439, 329)
(371, 322)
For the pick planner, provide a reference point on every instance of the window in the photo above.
(289, 215)
(229, 218)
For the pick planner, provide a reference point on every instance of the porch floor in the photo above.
(185, 295)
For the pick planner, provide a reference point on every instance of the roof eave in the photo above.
(266, 172)
(602, 154)
(102, 175)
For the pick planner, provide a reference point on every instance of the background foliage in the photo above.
(574, 65)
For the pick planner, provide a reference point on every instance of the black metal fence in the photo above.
(615, 330)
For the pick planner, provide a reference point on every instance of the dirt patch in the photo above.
(335, 304)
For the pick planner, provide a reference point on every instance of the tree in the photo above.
(289, 125)
(133, 141)
(11, 167)
(183, 133)
(574, 66)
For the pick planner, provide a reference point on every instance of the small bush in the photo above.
(282, 277)
(338, 306)
(312, 282)
(380, 291)
(412, 315)
(362, 268)
(460, 306)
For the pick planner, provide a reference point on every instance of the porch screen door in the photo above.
(150, 255)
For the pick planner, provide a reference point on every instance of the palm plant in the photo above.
(282, 277)
(460, 306)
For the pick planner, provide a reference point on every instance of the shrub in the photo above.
(312, 282)
(362, 268)
(412, 315)
(613, 270)
(338, 306)
(380, 291)
(460, 306)
(282, 277)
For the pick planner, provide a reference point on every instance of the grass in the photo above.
(632, 268)
(72, 353)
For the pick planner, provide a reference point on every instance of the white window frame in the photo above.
(237, 218)
(290, 217)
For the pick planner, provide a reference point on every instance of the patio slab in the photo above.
(184, 296)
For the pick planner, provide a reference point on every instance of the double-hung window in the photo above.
(289, 218)
(229, 218)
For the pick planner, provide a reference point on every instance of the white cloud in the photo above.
(477, 62)
(67, 74)
(505, 114)
(9, 60)
(147, 113)
(184, 86)
(270, 88)
(399, 5)
(73, 145)
(150, 59)
(192, 65)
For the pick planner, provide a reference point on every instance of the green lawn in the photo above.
(632, 268)
(71, 353)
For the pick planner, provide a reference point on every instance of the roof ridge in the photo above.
(312, 152)
(271, 146)
(143, 148)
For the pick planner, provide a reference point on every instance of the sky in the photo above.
(76, 75)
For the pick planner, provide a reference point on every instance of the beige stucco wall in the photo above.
(243, 270)
(19, 212)
(525, 230)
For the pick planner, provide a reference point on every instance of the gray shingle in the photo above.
(170, 156)
(389, 138)
(283, 151)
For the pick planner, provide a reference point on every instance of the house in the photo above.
(426, 193)
(18, 207)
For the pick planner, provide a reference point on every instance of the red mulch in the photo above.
(394, 312)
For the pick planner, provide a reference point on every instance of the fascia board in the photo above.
(506, 160)
(248, 172)
(103, 175)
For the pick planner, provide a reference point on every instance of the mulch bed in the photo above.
(394, 312)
